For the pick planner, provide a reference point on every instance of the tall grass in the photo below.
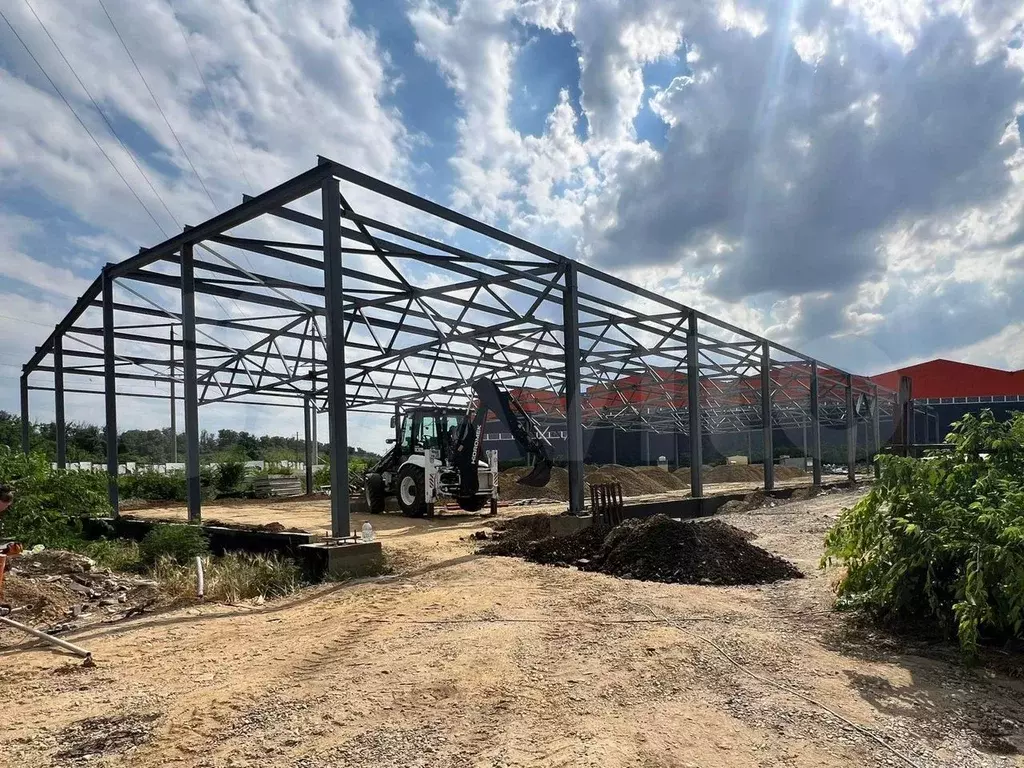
(230, 579)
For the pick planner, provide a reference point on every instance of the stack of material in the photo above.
(277, 486)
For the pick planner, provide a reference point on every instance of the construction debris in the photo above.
(655, 549)
(59, 591)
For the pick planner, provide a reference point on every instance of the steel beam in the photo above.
(693, 405)
(767, 435)
(110, 386)
(60, 423)
(337, 408)
(190, 387)
(573, 405)
(26, 426)
(815, 428)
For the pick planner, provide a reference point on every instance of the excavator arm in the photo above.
(491, 397)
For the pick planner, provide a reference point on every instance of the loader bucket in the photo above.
(537, 477)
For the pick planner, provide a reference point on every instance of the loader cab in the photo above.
(428, 428)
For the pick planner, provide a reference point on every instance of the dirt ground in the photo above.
(466, 660)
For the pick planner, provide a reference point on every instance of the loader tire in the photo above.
(373, 488)
(410, 491)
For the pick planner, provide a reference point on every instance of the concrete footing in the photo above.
(344, 560)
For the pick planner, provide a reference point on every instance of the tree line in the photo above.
(88, 442)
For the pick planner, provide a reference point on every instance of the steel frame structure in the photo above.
(336, 310)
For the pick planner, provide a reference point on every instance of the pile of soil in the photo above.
(635, 481)
(655, 549)
(510, 490)
(667, 480)
(742, 473)
(516, 534)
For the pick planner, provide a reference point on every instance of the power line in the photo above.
(82, 122)
(157, 103)
(102, 114)
(209, 92)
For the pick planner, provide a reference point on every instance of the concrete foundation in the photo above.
(343, 560)
(564, 525)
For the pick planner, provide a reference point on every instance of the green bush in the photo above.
(48, 503)
(178, 543)
(153, 486)
(115, 554)
(230, 477)
(941, 539)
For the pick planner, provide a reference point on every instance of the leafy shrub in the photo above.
(230, 476)
(48, 503)
(941, 539)
(153, 486)
(178, 543)
(231, 578)
(115, 554)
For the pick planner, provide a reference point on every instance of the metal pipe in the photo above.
(190, 388)
(330, 195)
(110, 386)
(573, 405)
(77, 650)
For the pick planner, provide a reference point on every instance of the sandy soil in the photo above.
(462, 660)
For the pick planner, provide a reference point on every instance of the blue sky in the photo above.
(846, 179)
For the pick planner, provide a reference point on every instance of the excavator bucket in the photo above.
(538, 477)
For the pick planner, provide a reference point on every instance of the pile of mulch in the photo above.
(654, 549)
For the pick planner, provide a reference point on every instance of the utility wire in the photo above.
(102, 114)
(157, 103)
(209, 92)
(82, 122)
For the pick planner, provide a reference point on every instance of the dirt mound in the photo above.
(665, 479)
(510, 490)
(655, 549)
(742, 473)
(635, 481)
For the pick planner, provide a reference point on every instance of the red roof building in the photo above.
(947, 378)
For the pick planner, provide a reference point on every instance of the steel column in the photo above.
(308, 416)
(876, 430)
(25, 425)
(693, 406)
(851, 432)
(190, 387)
(110, 386)
(337, 412)
(573, 404)
(767, 436)
(174, 407)
(815, 428)
(58, 403)
(615, 453)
